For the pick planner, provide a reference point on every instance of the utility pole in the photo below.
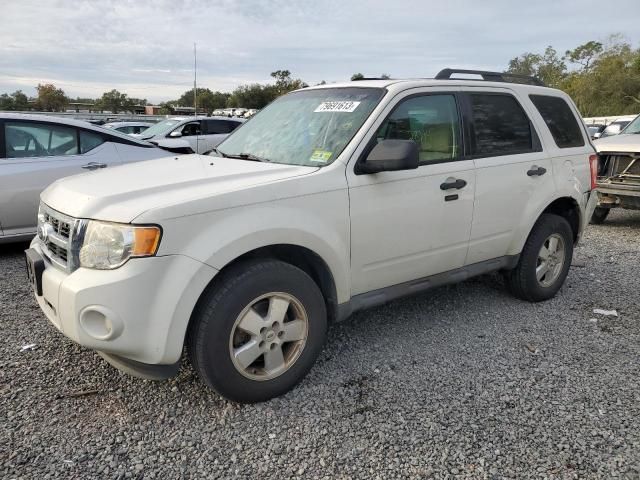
(195, 73)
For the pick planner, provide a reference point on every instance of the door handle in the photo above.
(94, 166)
(457, 183)
(536, 171)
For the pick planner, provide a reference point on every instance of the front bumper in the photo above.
(139, 311)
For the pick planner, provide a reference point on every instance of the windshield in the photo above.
(160, 128)
(633, 127)
(307, 127)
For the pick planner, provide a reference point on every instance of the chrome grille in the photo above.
(55, 231)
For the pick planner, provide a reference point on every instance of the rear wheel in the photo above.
(257, 333)
(599, 215)
(545, 260)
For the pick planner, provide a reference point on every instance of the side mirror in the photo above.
(391, 155)
(175, 134)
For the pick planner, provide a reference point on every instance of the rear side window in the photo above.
(500, 125)
(215, 127)
(231, 125)
(32, 139)
(560, 119)
(90, 140)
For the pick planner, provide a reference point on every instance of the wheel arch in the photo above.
(301, 257)
(566, 207)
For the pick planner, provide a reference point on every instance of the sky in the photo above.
(145, 48)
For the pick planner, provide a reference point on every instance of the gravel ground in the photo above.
(460, 382)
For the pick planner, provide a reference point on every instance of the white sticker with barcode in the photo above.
(343, 106)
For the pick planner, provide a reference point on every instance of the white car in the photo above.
(35, 150)
(334, 199)
(195, 134)
(128, 127)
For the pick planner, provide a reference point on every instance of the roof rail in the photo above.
(446, 73)
(369, 78)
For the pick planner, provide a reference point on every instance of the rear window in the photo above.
(559, 117)
(500, 126)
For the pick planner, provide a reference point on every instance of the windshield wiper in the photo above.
(249, 156)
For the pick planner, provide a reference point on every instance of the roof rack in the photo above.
(446, 73)
(369, 78)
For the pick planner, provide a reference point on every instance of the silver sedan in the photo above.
(36, 150)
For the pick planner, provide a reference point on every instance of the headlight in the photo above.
(109, 245)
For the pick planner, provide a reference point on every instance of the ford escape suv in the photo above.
(330, 200)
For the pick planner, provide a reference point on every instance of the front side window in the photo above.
(306, 127)
(560, 119)
(190, 129)
(90, 140)
(431, 121)
(500, 125)
(31, 139)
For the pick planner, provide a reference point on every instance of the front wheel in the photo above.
(545, 260)
(258, 332)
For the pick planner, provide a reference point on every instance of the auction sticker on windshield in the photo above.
(320, 156)
(342, 106)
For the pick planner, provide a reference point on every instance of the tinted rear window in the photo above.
(559, 117)
(500, 126)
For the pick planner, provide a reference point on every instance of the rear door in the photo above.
(216, 131)
(35, 154)
(513, 174)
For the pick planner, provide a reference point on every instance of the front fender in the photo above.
(319, 223)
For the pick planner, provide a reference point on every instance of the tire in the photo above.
(523, 280)
(252, 296)
(599, 215)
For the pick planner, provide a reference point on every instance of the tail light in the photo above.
(593, 165)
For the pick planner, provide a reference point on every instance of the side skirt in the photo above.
(386, 294)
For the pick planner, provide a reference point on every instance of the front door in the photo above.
(411, 224)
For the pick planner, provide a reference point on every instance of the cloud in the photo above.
(146, 47)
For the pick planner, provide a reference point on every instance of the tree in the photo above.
(17, 101)
(548, 67)
(114, 101)
(584, 54)
(605, 80)
(252, 96)
(284, 82)
(207, 99)
(356, 76)
(50, 98)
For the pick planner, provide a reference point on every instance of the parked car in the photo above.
(36, 150)
(619, 171)
(198, 134)
(595, 130)
(128, 127)
(615, 127)
(334, 199)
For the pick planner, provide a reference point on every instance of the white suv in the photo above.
(330, 200)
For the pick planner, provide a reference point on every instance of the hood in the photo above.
(119, 194)
(624, 142)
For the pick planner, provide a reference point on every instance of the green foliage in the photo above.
(50, 98)
(17, 101)
(602, 79)
(548, 67)
(356, 76)
(207, 99)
